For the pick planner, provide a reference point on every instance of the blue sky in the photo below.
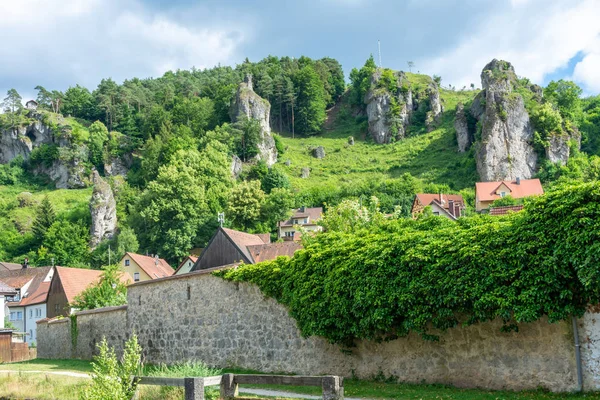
(82, 41)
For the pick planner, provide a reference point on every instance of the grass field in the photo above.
(46, 386)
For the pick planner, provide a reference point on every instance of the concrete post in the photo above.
(229, 389)
(194, 388)
(333, 388)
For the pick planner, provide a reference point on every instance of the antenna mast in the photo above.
(379, 50)
(221, 218)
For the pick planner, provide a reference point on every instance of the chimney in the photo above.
(26, 263)
(518, 180)
(303, 209)
(442, 199)
(457, 209)
(451, 207)
(156, 259)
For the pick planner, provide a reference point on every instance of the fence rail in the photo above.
(333, 386)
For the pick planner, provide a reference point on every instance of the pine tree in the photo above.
(44, 219)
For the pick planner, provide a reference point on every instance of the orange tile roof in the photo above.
(313, 213)
(242, 240)
(76, 280)
(486, 191)
(39, 295)
(441, 199)
(37, 292)
(151, 267)
(505, 209)
(191, 258)
(271, 251)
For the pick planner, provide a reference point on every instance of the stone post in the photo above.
(333, 388)
(194, 388)
(229, 389)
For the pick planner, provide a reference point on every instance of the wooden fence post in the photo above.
(229, 389)
(333, 388)
(194, 388)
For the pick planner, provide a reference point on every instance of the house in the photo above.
(303, 217)
(450, 206)
(186, 265)
(5, 290)
(28, 305)
(67, 284)
(487, 192)
(31, 105)
(228, 246)
(144, 268)
(5, 266)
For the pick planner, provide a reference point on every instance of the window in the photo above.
(16, 315)
(289, 234)
(13, 315)
(30, 313)
(502, 194)
(306, 220)
(295, 222)
(136, 276)
(127, 263)
(38, 312)
(436, 213)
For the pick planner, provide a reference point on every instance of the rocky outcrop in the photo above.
(461, 125)
(305, 172)
(104, 211)
(65, 174)
(505, 150)
(247, 104)
(118, 166)
(384, 127)
(236, 166)
(318, 152)
(559, 146)
(435, 107)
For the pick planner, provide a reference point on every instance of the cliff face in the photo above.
(505, 150)
(103, 209)
(464, 137)
(247, 104)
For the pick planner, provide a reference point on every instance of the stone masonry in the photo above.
(198, 316)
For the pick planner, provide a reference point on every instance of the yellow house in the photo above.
(144, 268)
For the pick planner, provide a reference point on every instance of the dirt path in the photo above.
(64, 373)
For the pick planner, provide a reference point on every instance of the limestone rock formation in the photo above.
(559, 148)
(305, 173)
(435, 107)
(351, 140)
(118, 166)
(505, 150)
(247, 104)
(236, 166)
(104, 211)
(383, 127)
(65, 174)
(318, 152)
(463, 136)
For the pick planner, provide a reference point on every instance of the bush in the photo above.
(111, 378)
(44, 155)
(431, 274)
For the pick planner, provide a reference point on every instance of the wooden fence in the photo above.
(333, 386)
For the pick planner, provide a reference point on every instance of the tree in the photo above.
(566, 96)
(44, 98)
(12, 101)
(98, 138)
(44, 219)
(361, 80)
(67, 244)
(277, 207)
(244, 205)
(79, 102)
(110, 290)
(247, 137)
(351, 215)
(274, 179)
(311, 101)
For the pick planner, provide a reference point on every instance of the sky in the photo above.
(58, 44)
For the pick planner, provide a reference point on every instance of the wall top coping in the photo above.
(183, 276)
(102, 310)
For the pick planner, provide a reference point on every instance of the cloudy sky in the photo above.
(61, 43)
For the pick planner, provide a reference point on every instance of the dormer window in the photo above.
(502, 194)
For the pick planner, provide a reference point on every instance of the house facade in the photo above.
(186, 265)
(303, 219)
(450, 206)
(143, 268)
(488, 192)
(28, 305)
(228, 246)
(5, 290)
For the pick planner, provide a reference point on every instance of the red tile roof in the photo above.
(505, 209)
(76, 280)
(242, 240)
(313, 213)
(486, 191)
(7, 290)
(5, 266)
(441, 199)
(149, 265)
(37, 291)
(39, 295)
(271, 251)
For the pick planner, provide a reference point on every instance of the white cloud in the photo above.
(82, 41)
(537, 36)
(586, 72)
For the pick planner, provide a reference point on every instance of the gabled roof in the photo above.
(486, 191)
(6, 290)
(313, 213)
(271, 251)
(242, 240)
(76, 280)
(442, 200)
(38, 295)
(37, 292)
(149, 265)
(5, 266)
(191, 258)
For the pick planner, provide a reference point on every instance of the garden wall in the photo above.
(201, 317)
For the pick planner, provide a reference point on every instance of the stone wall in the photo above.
(55, 340)
(201, 317)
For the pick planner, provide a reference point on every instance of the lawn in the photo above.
(47, 386)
